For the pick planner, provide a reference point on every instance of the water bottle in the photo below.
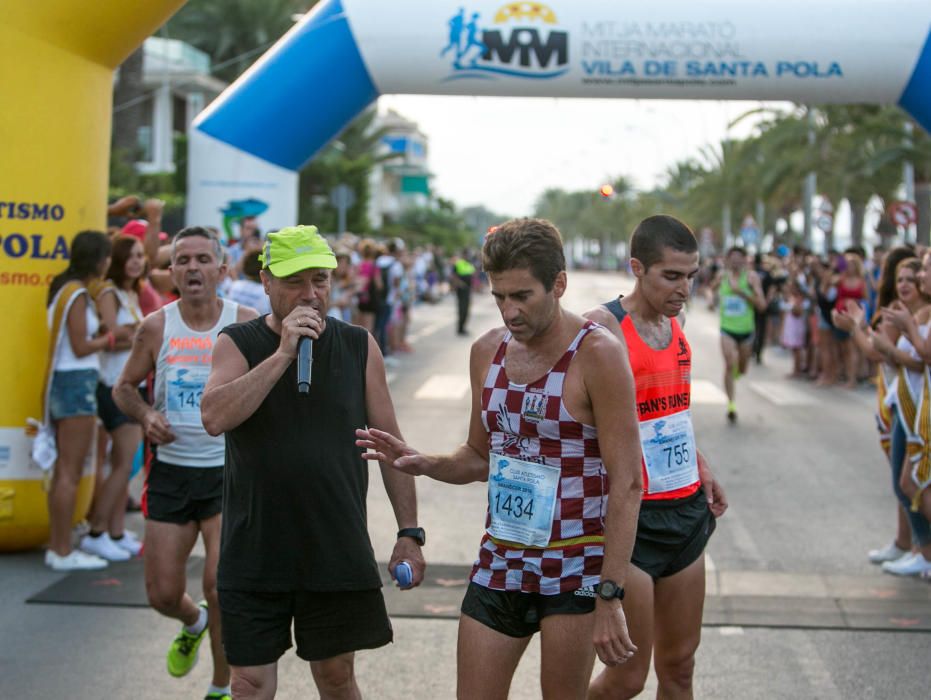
(403, 574)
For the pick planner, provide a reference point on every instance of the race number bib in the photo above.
(183, 389)
(735, 306)
(669, 452)
(521, 500)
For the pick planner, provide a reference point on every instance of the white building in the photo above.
(178, 86)
(403, 181)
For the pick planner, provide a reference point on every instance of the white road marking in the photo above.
(429, 329)
(709, 564)
(707, 392)
(444, 387)
(729, 631)
(780, 394)
(391, 376)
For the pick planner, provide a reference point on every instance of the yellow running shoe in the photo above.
(183, 652)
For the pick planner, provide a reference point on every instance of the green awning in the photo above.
(415, 184)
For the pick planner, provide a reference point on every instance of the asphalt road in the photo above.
(794, 610)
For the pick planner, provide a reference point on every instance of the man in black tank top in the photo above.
(295, 546)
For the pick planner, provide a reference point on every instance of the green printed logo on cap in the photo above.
(296, 248)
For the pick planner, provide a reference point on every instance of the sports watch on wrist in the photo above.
(609, 590)
(415, 533)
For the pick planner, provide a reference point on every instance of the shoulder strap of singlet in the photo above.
(583, 331)
(172, 313)
(502, 349)
(563, 363)
(614, 306)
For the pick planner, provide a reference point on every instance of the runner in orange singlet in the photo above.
(681, 499)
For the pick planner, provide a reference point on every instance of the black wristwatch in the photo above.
(609, 590)
(415, 533)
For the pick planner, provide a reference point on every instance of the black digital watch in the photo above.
(609, 590)
(415, 533)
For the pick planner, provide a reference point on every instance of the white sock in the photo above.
(198, 626)
(225, 690)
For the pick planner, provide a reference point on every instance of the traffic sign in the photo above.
(903, 213)
(825, 222)
(342, 196)
(749, 231)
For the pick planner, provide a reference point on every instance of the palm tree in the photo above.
(129, 105)
(234, 32)
(861, 174)
(847, 142)
(718, 185)
(896, 151)
(564, 209)
(348, 160)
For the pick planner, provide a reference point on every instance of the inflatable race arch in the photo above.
(58, 58)
(335, 62)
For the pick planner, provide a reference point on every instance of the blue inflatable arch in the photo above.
(345, 53)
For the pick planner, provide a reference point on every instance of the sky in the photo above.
(503, 152)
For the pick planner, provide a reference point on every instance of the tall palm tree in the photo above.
(233, 32)
(917, 150)
(346, 161)
(129, 105)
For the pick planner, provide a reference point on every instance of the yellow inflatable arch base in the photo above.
(57, 59)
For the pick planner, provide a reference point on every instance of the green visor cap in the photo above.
(296, 248)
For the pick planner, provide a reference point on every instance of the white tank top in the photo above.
(913, 378)
(65, 359)
(181, 372)
(127, 314)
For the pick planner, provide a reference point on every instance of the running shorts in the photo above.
(257, 624)
(671, 534)
(109, 413)
(518, 614)
(182, 495)
(739, 338)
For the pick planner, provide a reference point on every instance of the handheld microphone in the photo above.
(305, 360)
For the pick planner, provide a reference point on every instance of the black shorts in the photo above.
(672, 534)
(739, 338)
(257, 625)
(518, 614)
(182, 495)
(109, 413)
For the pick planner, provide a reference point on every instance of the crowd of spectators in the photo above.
(802, 290)
(115, 279)
(851, 318)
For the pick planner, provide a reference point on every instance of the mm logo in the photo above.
(524, 43)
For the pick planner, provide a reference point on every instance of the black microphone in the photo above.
(305, 360)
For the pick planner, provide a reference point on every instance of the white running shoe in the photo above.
(129, 542)
(104, 548)
(890, 552)
(909, 565)
(75, 561)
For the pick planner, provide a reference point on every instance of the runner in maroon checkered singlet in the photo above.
(557, 546)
